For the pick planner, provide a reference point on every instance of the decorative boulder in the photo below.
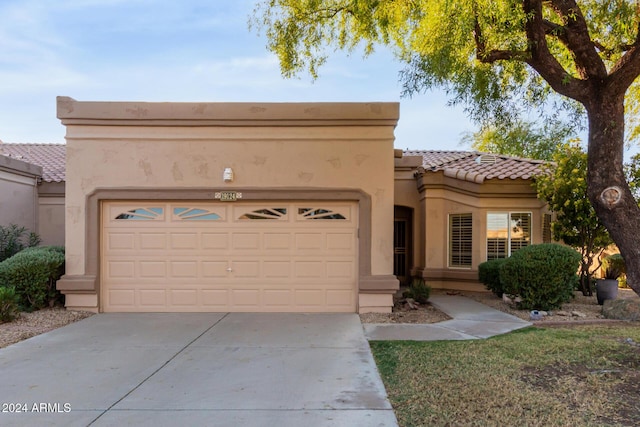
(622, 309)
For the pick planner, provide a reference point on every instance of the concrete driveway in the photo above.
(212, 369)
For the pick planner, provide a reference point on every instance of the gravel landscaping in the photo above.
(579, 311)
(38, 322)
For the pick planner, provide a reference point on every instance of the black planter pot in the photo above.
(606, 289)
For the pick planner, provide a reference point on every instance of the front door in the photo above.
(402, 232)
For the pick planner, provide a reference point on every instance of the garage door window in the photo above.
(313, 213)
(195, 214)
(142, 214)
(266, 213)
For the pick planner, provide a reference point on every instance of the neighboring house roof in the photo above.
(51, 157)
(467, 165)
(475, 166)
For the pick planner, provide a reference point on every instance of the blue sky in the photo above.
(179, 50)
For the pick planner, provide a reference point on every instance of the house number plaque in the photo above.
(227, 196)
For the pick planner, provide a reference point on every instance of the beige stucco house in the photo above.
(457, 209)
(300, 207)
(32, 188)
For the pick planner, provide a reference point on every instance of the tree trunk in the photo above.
(606, 184)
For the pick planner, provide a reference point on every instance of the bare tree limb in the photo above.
(578, 40)
(627, 69)
(543, 61)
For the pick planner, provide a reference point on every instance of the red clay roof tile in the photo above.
(51, 157)
(474, 163)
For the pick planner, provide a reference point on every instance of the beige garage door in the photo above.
(229, 256)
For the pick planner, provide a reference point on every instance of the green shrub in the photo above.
(543, 276)
(419, 291)
(8, 304)
(33, 273)
(13, 239)
(489, 275)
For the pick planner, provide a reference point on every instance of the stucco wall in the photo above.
(51, 213)
(445, 196)
(274, 146)
(18, 187)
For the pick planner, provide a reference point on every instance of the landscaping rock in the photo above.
(562, 313)
(578, 314)
(535, 315)
(412, 304)
(621, 309)
(512, 300)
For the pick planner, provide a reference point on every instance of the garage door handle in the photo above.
(229, 269)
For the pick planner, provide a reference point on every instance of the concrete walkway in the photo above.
(195, 369)
(470, 320)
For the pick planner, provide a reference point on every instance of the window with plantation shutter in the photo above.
(506, 233)
(460, 240)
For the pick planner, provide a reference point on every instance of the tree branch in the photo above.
(609, 52)
(555, 30)
(543, 61)
(627, 69)
(578, 40)
(494, 55)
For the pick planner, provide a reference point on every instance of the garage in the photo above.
(222, 207)
(219, 256)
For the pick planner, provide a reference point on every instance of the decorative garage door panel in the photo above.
(179, 256)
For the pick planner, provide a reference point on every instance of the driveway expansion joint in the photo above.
(169, 360)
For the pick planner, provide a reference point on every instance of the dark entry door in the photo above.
(402, 232)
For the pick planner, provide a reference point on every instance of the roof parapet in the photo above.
(72, 112)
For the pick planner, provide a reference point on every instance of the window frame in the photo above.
(461, 254)
(509, 242)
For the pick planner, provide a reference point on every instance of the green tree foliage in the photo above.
(520, 139)
(564, 188)
(632, 170)
(453, 44)
(499, 58)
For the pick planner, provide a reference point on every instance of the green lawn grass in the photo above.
(578, 376)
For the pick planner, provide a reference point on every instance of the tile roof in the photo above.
(476, 166)
(468, 165)
(51, 157)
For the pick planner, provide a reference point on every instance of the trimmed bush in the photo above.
(419, 291)
(33, 273)
(13, 239)
(489, 275)
(543, 276)
(8, 304)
